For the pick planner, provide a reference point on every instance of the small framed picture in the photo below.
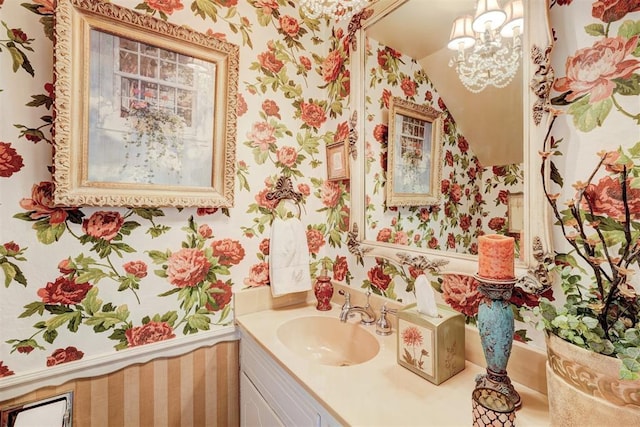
(337, 161)
(515, 213)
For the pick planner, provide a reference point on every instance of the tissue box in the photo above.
(431, 347)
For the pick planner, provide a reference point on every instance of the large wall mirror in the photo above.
(490, 137)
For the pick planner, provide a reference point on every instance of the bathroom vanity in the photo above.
(281, 385)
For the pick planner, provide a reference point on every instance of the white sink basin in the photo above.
(327, 341)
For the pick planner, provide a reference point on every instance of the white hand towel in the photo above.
(425, 297)
(288, 257)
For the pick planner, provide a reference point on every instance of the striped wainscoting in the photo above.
(196, 389)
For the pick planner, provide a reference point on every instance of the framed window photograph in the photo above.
(414, 159)
(145, 110)
(515, 213)
(337, 161)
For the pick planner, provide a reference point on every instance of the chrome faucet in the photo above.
(367, 315)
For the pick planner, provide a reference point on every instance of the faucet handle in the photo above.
(347, 296)
(383, 326)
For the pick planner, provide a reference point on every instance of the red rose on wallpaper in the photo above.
(258, 275)
(384, 235)
(270, 108)
(136, 268)
(64, 355)
(41, 204)
(187, 267)
(460, 291)
(64, 291)
(289, 25)
(12, 247)
(24, 349)
(428, 96)
(312, 114)
(342, 132)
(424, 214)
(16, 34)
(315, 240)
(386, 96)
(227, 3)
(605, 198)
(261, 199)
(378, 278)
(205, 231)
(401, 238)
(331, 66)
(149, 333)
(592, 70)
(496, 223)
(269, 62)
(229, 252)
(10, 160)
(381, 133)
(448, 158)
(331, 193)
(433, 243)
(4, 370)
(471, 173)
(165, 6)
(340, 268)
(221, 293)
(451, 241)
(613, 10)
(66, 266)
(103, 225)
(503, 196)
(262, 135)
(267, 6)
(305, 62)
(206, 211)
(408, 86)
(287, 156)
(242, 105)
(304, 189)
(499, 170)
(444, 186)
(463, 145)
(455, 192)
(465, 222)
(264, 246)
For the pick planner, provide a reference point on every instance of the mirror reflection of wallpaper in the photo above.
(474, 198)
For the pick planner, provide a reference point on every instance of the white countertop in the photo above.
(380, 392)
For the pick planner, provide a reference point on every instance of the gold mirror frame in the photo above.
(77, 181)
(537, 79)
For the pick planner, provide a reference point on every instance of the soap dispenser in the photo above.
(323, 290)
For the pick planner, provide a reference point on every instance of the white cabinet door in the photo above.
(290, 402)
(254, 411)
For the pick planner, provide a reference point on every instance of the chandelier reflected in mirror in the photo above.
(488, 45)
(338, 10)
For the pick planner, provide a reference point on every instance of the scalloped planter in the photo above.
(584, 389)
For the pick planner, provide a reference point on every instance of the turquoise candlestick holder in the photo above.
(496, 327)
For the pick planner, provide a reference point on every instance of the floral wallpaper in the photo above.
(83, 282)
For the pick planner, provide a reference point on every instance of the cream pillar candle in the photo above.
(496, 256)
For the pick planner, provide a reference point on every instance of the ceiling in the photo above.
(420, 29)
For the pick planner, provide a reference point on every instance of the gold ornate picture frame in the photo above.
(145, 110)
(413, 161)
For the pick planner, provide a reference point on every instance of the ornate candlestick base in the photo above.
(495, 323)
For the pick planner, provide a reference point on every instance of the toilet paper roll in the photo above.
(425, 297)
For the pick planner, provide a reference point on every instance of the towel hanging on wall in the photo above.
(288, 257)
